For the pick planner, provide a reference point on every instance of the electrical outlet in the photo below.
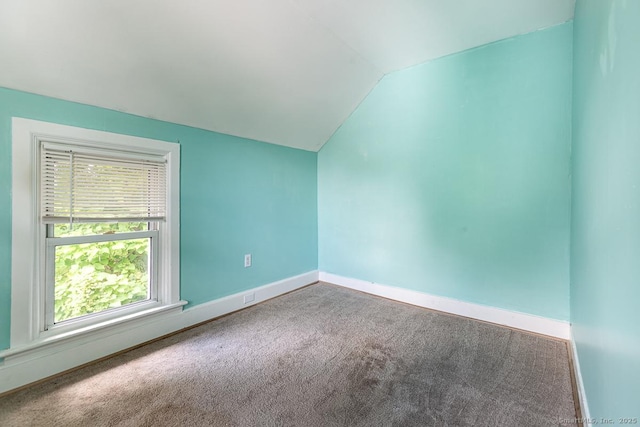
(249, 297)
(247, 260)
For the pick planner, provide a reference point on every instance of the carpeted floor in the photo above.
(319, 356)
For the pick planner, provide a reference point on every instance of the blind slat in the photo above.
(79, 186)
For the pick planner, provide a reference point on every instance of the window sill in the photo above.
(87, 333)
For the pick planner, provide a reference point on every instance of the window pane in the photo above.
(93, 277)
(87, 229)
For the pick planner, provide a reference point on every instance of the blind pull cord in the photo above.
(71, 159)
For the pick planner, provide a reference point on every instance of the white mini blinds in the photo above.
(81, 184)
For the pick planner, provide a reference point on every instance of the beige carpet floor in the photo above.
(319, 356)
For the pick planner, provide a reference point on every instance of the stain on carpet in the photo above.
(319, 356)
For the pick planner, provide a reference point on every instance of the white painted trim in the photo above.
(513, 319)
(28, 310)
(88, 333)
(23, 368)
(582, 395)
(25, 253)
(231, 303)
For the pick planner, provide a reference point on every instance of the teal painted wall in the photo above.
(452, 178)
(605, 243)
(237, 196)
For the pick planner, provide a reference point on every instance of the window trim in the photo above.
(29, 235)
(52, 328)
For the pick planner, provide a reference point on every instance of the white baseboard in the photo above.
(22, 369)
(582, 396)
(25, 368)
(231, 303)
(514, 319)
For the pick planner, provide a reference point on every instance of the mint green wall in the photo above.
(605, 244)
(237, 196)
(452, 178)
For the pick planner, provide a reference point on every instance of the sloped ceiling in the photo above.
(287, 72)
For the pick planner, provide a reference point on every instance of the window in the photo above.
(95, 217)
(92, 268)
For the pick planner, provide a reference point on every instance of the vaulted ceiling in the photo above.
(289, 72)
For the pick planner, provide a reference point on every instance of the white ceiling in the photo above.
(287, 72)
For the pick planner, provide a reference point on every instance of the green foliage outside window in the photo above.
(93, 277)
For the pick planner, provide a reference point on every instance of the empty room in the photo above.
(319, 213)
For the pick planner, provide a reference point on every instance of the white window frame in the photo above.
(53, 328)
(29, 242)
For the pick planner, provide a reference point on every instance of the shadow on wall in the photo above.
(452, 178)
